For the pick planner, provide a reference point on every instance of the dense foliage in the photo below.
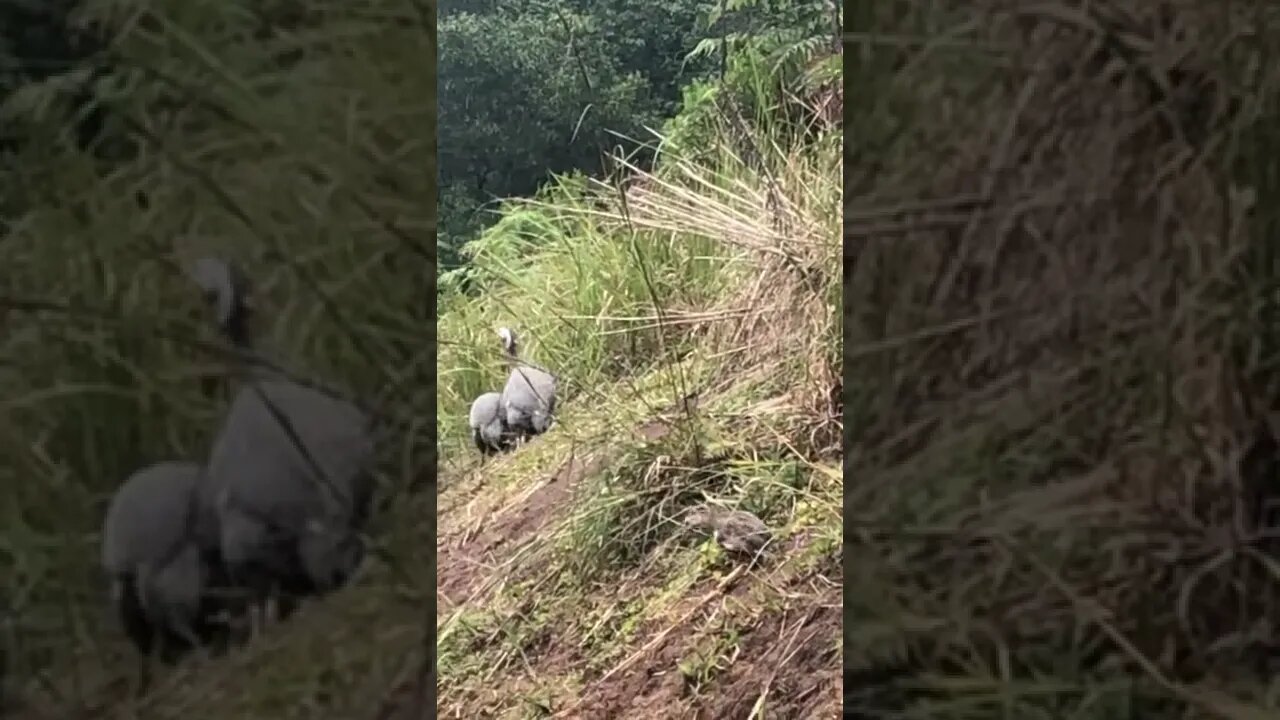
(534, 89)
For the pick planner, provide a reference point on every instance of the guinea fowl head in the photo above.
(508, 340)
(227, 290)
(701, 517)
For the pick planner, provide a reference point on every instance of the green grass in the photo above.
(618, 289)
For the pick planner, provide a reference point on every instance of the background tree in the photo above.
(532, 90)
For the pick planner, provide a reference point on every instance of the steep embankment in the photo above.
(566, 585)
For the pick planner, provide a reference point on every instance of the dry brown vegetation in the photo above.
(1059, 352)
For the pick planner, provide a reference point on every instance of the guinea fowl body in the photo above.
(529, 400)
(529, 396)
(488, 426)
(162, 583)
(293, 472)
(290, 472)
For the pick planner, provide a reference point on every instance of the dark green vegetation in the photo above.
(1061, 358)
(293, 138)
(531, 89)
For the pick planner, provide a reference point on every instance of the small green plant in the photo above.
(714, 654)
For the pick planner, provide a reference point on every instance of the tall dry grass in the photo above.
(1057, 350)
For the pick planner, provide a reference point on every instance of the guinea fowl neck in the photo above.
(237, 332)
(518, 363)
(250, 362)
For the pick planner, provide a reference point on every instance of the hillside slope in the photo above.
(693, 314)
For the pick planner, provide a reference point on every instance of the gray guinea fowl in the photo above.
(160, 580)
(290, 473)
(488, 427)
(529, 397)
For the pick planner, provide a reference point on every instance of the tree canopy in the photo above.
(535, 89)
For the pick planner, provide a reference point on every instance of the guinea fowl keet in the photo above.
(737, 531)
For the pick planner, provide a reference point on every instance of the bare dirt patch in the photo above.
(795, 671)
(467, 555)
(790, 661)
(789, 657)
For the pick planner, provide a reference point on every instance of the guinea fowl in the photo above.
(161, 583)
(737, 531)
(529, 397)
(290, 473)
(488, 428)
